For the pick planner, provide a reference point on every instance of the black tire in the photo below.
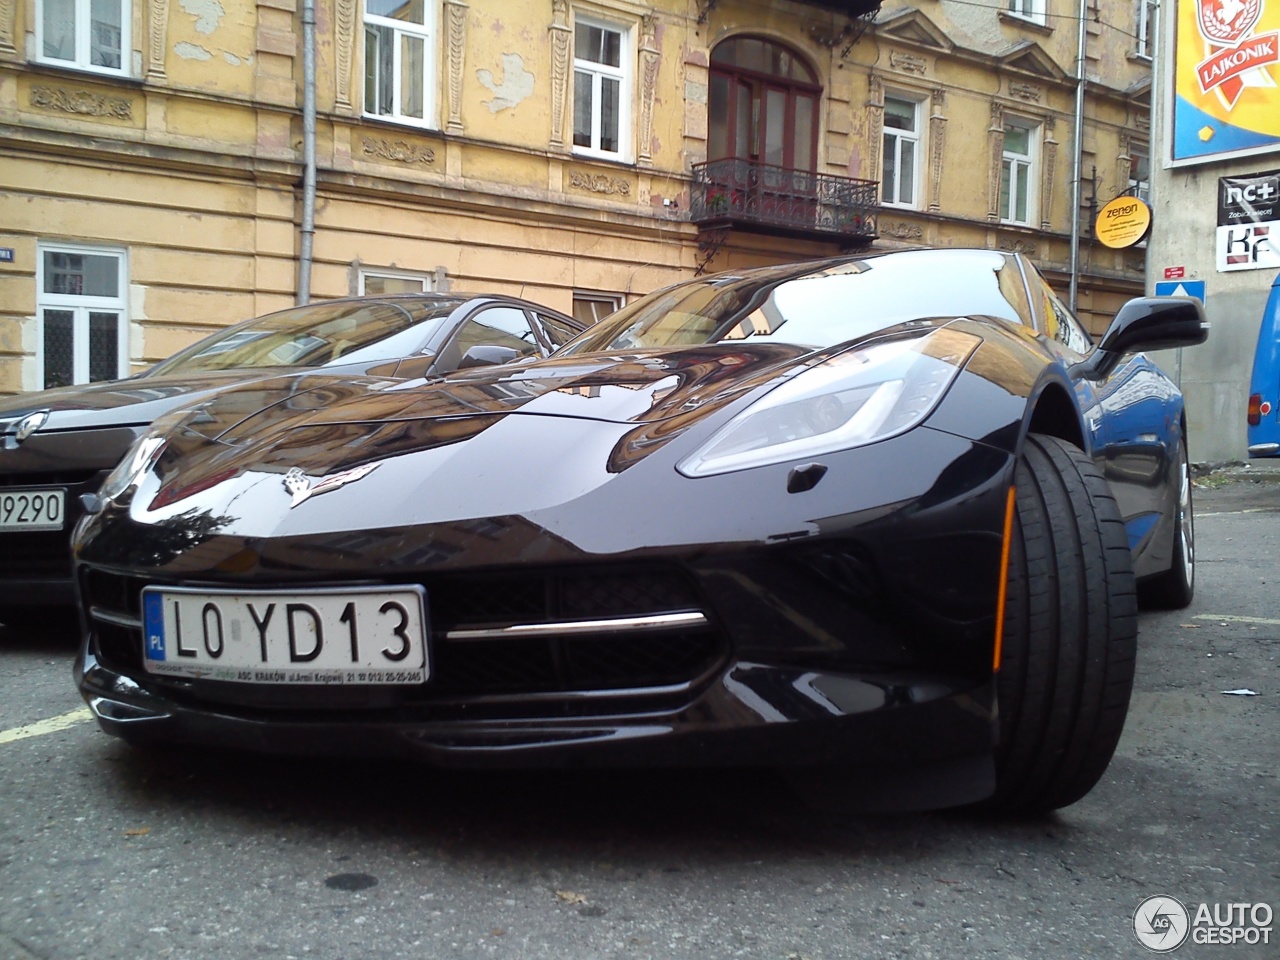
(1070, 633)
(1176, 587)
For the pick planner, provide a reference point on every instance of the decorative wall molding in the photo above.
(6, 26)
(81, 102)
(995, 139)
(649, 59)
(561, 35)
(401, 151)
(157, 34)
(1049, 176)
(937, 141)
(344, 43)
(908, 63)
(455, 15)
(901, 231)
(599, 183)
(875, 121)
(1026, 91)
(1019, 246)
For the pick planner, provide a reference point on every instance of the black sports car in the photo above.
(59, 444)
(877, 515)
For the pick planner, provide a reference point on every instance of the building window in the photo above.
(1140, 173)
(378, 282)
(86, 34)
(1032, 10)
(1017, 173)
(83, 328)
(601, 90)
(763, 106)
(399, 60)
(591, 308)
(1146, 24)
(901, 152)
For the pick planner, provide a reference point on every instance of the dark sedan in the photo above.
(59, 444)
(876, 520)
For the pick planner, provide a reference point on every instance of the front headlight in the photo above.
(854, 398)
(140, 458)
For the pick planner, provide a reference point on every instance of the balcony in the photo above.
(777, 200)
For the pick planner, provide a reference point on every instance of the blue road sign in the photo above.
(1181, 288)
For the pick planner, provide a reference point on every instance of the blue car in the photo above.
(1264, 387)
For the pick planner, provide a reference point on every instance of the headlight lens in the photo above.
(852, 399)
(140, 458)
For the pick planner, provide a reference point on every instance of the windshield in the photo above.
(318, 335)
(828, 305)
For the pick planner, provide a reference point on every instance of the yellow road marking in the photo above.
(41, 727)
(1222, 616)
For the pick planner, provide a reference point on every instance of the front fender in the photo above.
(1012, 385)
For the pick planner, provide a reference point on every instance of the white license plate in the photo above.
(32, 509)
(364, 635)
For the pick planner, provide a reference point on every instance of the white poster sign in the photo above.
(1249, 246)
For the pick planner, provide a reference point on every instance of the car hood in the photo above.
(627, 389)
(118, 403)
(322, 425)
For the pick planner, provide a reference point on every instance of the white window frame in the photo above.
(81, 307)
(624, 74)
(428, 281)
(899, 136)
(1021, 166)
(1146, 28)
(1030, 10)
(1140, 188)
(618, 300)
(427, 33)
(83, 58)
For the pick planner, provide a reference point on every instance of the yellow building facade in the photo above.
(575, 152)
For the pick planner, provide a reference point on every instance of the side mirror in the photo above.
(487, 355)
(1146, 323)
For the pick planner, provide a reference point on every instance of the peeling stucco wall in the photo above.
(515, 87)
(208, 14)
(191, 51)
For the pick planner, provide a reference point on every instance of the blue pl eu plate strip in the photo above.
(153, 624)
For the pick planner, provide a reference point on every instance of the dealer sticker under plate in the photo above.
(362, 635)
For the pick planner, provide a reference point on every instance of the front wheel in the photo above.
(1174, 588)
(1070, 632)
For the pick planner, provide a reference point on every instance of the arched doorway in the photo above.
(762, 135)
(762, 105)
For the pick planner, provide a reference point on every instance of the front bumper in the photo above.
(36, 565)
(846, 627)
(914, 742)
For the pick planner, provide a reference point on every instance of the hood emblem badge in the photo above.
(298, 484)
(24, 428)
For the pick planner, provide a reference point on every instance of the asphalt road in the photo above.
(107, 852)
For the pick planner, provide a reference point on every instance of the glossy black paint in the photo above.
(849, 594)
(1147, 323)
(89, 427)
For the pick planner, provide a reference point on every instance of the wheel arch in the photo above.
(1053, 411)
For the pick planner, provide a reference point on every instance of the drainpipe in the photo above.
(1077, 160)
(308, 229)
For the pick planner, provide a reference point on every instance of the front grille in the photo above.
(37, 554)
(470, 666)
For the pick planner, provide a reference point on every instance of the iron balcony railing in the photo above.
(743, 192)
